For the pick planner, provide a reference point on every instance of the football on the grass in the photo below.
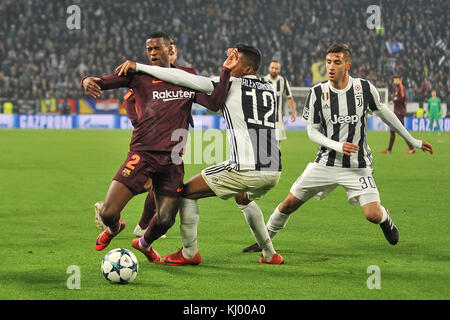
(120, 266)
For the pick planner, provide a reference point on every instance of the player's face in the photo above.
(397, 81)
(433, 94)
(337, 66)
(158, 52)
(242, 68)
(274, 69)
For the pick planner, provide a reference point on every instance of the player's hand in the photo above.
(426, 146)
(232, 58)
(293, 117)
(125, 67)
(349, 148)
(91, 87)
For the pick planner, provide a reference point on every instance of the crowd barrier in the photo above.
(97, 121)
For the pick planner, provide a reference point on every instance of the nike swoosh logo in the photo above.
(157, 81)
(172, 262)
(179, 189)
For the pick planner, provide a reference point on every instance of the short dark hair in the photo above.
(160, 34)
(397, 76)
(252, 54)
(340, 47)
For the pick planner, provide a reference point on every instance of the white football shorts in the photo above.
(318, 181)
(226, 182)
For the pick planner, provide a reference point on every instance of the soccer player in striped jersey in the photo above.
(283, 90)
(248, 105)
(336, 112)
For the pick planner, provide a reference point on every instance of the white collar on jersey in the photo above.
(349, 84)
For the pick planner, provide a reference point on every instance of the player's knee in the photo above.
(373, 215)
(110, 214)
(242, 199)
(290, 204)
(166, 220)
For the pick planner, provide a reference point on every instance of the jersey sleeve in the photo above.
(129, 105)
(287, 89)
(217, 98)
(372, 97)
(310, 111)
(178, 77)
(113, 81)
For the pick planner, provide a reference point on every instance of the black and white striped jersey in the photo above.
(282, 89)
(342, 116)
(249, 114)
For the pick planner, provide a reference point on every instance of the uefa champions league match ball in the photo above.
(120, 266)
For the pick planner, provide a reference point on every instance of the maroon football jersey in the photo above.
(162, 108)
(129, 100)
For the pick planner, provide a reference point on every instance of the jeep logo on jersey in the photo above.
(344, 119)
(167, 95)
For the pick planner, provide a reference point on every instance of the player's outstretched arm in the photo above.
(172, 75)
(392, 121)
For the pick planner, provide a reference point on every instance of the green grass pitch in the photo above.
(49, 181)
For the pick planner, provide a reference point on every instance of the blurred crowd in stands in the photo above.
(42, 58)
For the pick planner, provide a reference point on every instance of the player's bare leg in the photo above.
(147, 214)
(391, 142)
(167, 208)
(116, 199)
(376, 213)
(278, 219)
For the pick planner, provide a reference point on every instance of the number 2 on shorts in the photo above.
(134, 160)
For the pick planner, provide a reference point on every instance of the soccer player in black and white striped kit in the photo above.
(336, 112)
(248, 105)
(283, 90)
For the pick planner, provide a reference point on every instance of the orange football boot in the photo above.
(177, 259)
(106, 236)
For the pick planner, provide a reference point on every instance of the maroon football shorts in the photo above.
(167, 177)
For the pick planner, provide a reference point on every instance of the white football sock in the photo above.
(255, 220)
(277, 222)
(384, 214)
(189, 217)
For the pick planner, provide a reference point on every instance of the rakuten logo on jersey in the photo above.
(173, 95)
(344, 119)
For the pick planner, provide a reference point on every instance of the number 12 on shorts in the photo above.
(367, 182)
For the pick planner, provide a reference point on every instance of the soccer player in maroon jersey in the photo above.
(129, 105)
(151, 145)
(150, 205)
(400, 111)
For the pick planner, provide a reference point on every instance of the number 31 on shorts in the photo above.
(367, 182)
